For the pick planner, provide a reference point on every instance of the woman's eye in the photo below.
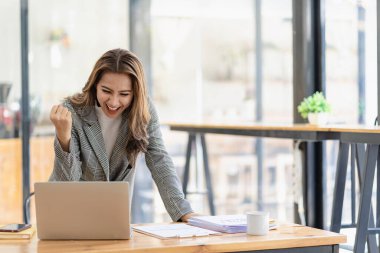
(124, 95)
(106, 91)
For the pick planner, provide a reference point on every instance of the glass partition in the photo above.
(65, 40)
(10, 143)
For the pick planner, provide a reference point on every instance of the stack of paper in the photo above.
(224, 223)
(25, 234)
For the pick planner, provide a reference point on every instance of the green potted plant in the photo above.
(315, 108)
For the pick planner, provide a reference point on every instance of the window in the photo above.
(204, 58)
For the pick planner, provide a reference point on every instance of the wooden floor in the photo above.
(41, 164)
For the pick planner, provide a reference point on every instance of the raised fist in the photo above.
(61, 118)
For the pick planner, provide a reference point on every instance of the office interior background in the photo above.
(219, 60)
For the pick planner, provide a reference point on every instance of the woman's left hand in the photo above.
(187, 216)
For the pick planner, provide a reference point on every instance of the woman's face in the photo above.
(114, 93)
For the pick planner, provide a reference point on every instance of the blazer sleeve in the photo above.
(162, 168)
(67, 165)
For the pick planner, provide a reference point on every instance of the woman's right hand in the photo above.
(61, 118)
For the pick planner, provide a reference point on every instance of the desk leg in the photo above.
(360, 154)
(354, 156)
(378, 196)
(210, 193)
(185, 181)
(186, 172)
(365, 197)
(340, 183)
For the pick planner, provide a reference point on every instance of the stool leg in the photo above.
(186, 172)
(208, 176)
(371, 239)
(340, 183)
(365, 198)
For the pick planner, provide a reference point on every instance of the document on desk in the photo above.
(224, 223)
(170, 231)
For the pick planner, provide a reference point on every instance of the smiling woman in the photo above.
(101, 131)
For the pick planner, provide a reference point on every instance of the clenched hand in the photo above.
(61, 118)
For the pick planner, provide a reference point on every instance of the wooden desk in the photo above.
(287, 131)
(287, 238)
(354, 136)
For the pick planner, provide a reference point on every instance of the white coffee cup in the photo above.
(257, 223)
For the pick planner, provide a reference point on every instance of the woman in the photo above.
(101, 131)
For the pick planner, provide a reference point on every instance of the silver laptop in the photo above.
(83, 210)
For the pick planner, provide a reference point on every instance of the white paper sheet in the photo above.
(169, 231)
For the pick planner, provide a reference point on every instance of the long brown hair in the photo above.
(122, 61)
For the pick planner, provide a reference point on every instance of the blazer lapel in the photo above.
(95, 137)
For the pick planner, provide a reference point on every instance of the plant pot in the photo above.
(319, 118)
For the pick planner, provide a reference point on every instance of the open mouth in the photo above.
(112, 109)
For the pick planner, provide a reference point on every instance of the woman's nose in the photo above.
(113, 100)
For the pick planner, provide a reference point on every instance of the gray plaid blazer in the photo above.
(88, 161)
